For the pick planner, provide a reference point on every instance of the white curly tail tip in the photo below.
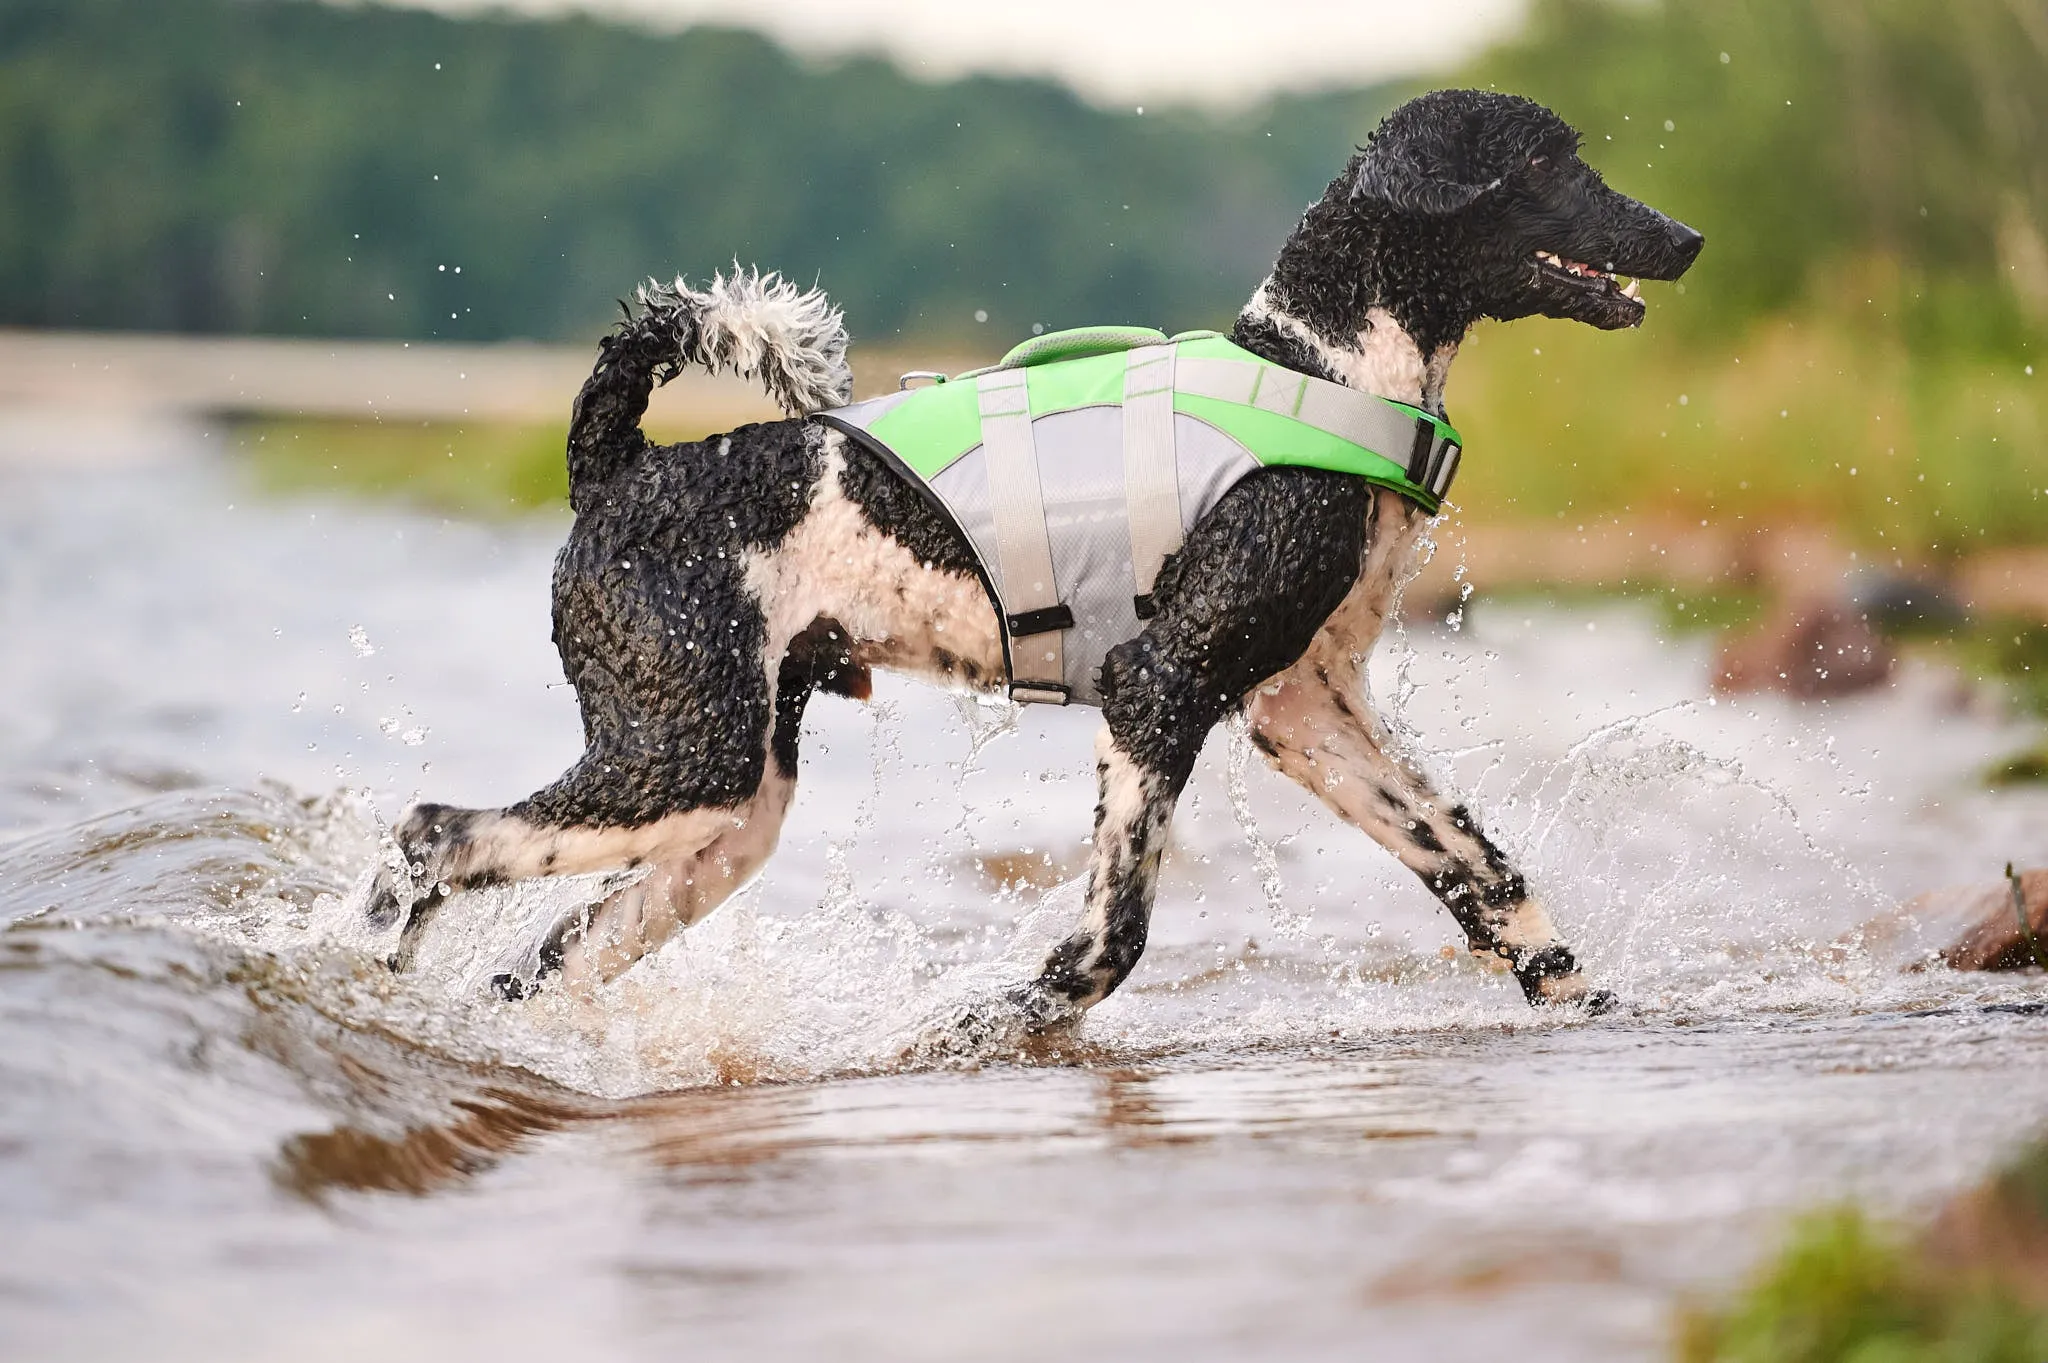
(762, 326)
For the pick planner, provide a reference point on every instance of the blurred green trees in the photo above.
(1858, 345)
(281, 166)
(1832, 150)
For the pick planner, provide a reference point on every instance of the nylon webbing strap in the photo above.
(1344, 412)
(1151, 471)
(1023, 548)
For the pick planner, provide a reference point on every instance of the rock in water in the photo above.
(1966, 927)
(1994, 940)
(1812, 650)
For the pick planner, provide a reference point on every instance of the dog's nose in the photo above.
(1687, 241)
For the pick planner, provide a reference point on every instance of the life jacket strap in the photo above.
(1151, 465)
(1030, 592)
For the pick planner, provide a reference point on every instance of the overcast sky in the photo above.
(1113, 51)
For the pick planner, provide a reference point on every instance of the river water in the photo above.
(1305, 1129)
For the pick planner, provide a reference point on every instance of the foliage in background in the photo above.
(1801, 418)
(1813, 137)
(1845, 1291)
(480, 469)
(1858, 344)
(289, 167)
(1970, 1289)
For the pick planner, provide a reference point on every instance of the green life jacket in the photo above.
(1077, 464)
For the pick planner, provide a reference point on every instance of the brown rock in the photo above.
(1993, 940)
(1967, 927)
(1811, 650)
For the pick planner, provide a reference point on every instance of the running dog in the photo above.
(708, 589)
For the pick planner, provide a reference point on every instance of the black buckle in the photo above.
(1419, 453)
(1040, 693)
(1144, 606)
(1432, 464)
(1041, 621)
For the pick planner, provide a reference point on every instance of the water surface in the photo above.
(1304, 1129)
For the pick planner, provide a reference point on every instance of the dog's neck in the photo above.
(1380, 358)
(1331, 308)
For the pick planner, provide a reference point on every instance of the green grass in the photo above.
(468, 469)
(1810, 419)
(1679, 610)
(1846, 1291)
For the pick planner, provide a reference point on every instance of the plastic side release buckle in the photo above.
(1040, 621)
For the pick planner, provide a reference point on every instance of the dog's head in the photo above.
(1475, 204)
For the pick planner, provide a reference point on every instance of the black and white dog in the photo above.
(707, 589)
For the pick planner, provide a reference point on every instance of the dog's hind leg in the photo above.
(724, 853)
(695, 856)
(673, 675)
(1312, 724)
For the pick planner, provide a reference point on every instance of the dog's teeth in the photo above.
(1634, 290)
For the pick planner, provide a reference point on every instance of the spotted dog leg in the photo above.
(1231, 611)
(698, 876)
(1141, 766)
(1308, 723)
(690, 767)
(1132, 816)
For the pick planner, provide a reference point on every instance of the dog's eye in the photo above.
(1539, 163)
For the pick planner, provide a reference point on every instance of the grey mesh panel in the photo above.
(963, 487)
(1080, 462)
(1211, 463)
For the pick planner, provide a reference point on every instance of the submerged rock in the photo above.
(1811, 650)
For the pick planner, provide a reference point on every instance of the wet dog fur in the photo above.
(708, 589)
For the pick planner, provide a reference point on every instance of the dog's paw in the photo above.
(383, 908)
(988, 1025)
(1600, 1003)
(1570, 990)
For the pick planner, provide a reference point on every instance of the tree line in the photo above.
(286, 166)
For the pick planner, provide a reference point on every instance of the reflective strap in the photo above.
(1151, 470)
(1023, 548)
(1346, 413)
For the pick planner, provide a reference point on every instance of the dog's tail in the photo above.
(759, 326)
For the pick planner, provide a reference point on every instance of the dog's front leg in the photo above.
(1311, 727)
(1140, 768)
(1132, 813)
(1240, 601)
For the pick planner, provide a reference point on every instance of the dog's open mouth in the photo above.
(1589, 287)
(1578, 269)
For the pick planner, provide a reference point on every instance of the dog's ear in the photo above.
(1412, 189)
(1439, 153)
(1416, 180)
